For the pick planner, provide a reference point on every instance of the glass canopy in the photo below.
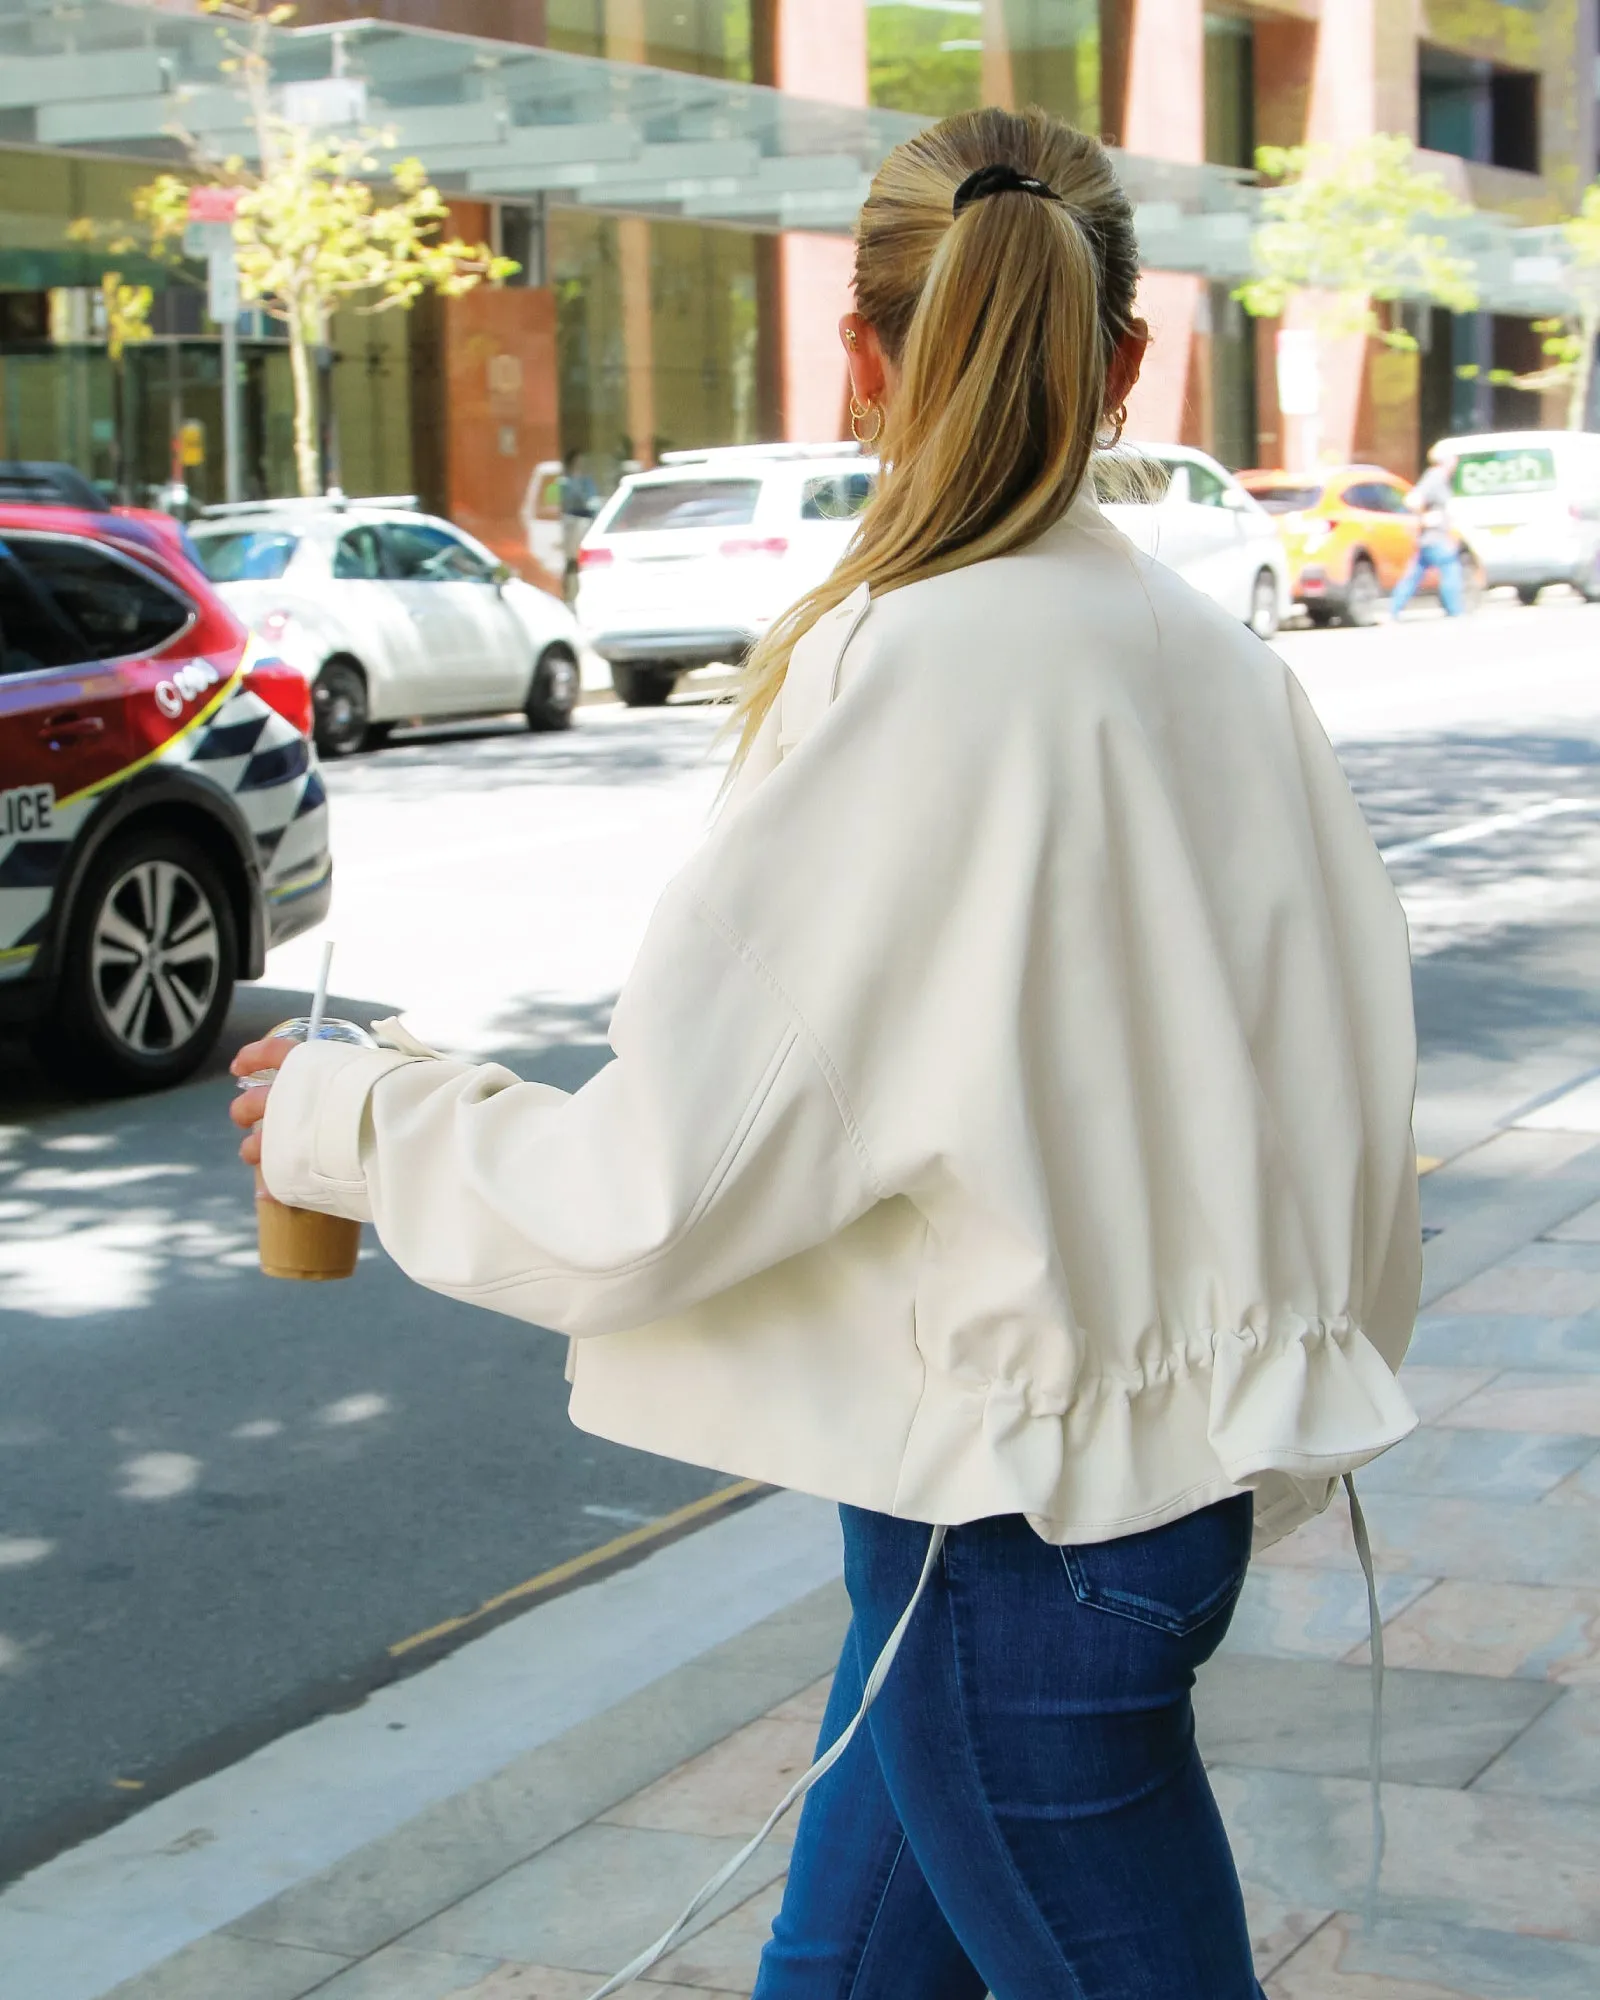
(502, 120)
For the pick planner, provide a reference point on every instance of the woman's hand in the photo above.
(250, 1106)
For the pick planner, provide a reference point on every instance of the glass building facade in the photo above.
(677, 179)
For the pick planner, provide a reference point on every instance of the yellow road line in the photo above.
(1426, 1163)
(204, 713)
(550, 1579)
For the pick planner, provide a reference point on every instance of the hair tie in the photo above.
(999, 179)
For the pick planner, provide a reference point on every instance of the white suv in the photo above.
(688, 564)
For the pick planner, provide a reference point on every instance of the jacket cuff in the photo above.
(311, 1136)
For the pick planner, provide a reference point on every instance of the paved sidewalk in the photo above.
(536, 1882)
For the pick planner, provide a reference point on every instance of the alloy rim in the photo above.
(155, 958)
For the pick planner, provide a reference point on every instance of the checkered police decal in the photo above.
(244, 748)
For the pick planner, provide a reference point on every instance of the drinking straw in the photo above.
(319, 999)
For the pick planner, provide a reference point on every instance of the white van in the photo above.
(1527, 504)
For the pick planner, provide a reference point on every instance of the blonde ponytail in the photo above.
(1001, 321)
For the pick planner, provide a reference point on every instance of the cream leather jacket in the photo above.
(1011, 1110)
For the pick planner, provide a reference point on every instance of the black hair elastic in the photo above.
(999, 179)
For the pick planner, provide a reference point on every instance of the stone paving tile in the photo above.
(809, 1705)
(1500, 1860)
(1415, 1535)
(1555, 1252)
(1435, 1962)
(1565, 1405)
(1275, 1930)
(1533, 1631)
(1518, 1287)
(725, 1956)
(1433, 1390)
(550, 1982)
(1504, 1340)
(1558, 1757)
(1311, 1614)
(1584, 1227)
(1311, 1715)
(1582, 1489)
(398, 1973)
(241, 1968)
(1477, 1464)
(728, 1790)
(591, 1901)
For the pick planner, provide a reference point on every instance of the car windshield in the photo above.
(1284, 499)
(246, 555)
(686, 503)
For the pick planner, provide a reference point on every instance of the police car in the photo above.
(162, 818)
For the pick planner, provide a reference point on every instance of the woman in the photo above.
(1009, 1129)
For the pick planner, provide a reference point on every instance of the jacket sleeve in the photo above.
(717, 1144)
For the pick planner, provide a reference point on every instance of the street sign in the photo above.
(222, 282)
(213, 204)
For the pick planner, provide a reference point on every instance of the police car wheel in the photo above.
(149, 968)
(339, 705)
(554, 693)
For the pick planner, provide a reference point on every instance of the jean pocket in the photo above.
(1175, 1578)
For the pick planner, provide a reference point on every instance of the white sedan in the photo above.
(1182, 507)
(392, 615)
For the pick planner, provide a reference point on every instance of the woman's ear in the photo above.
(869, 382)
(1127, 359)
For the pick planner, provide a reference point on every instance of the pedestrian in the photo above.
(1009, 1135)
(1438, 544)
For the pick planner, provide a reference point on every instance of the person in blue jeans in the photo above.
(1438, 545)
(1008, 1135)
(1026, 1794)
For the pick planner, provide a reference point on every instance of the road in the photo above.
(222, 1502)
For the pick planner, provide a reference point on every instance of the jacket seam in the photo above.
(708, 1193)
(747, 953)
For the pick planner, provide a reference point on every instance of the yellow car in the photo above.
(1347, 532)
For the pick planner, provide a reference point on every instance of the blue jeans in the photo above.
(1445, 557)
(1024, 1812)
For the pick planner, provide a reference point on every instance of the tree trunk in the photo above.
(306, 457)
(1583, 371)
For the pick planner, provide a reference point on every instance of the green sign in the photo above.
(1521, 469)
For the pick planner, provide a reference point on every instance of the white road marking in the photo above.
(1482, 829)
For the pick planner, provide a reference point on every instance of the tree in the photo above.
(1568, 340)
(1352, 226)
(311, 232)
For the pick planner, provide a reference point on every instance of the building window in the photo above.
(1478, 110)
(1230, 91)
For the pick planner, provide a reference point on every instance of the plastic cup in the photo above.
(302, 1242)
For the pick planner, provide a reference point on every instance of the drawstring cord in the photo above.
(1358, 1528)
(637, 1967)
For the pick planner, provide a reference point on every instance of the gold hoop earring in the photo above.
(859, 412)
(1119, 417)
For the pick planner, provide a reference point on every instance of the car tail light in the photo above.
(283, 689)
(594, 558)
(756, 545)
